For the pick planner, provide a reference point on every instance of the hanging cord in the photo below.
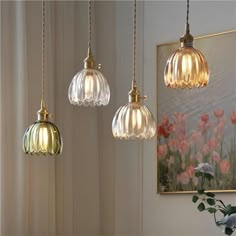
(89, 24)
(187, 18)
(43, 49)
(134, 44)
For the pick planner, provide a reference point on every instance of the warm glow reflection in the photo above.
(184, 64)
(89, 86)
(43, 138)
(137, 119)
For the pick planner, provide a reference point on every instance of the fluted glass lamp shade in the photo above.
(89, 87)
(42, 137)
(133, 120)
(186, 68)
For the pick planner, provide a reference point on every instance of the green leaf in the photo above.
(212, 210)
(209, 194)
(228, 231)
(231, 211)
(228, 208)
(223, 212)
(218, 223)
(211, 201)
(198, 174)
(201, 191)
(208, 176)
(195, 198)
(201, 207)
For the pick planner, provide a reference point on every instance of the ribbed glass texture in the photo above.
(42, 138)
(186, 68)
(133, 121)
(89, 88)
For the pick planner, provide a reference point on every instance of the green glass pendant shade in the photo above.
(42, 137)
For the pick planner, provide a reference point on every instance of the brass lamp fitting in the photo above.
(134, 94)
(89, 61)
(187, 39)
(43, 114)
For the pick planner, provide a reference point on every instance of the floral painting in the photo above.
(181, 149)
(198, 125)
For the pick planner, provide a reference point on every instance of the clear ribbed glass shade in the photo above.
(133, 121)
(89, 88)
(186, 68)
(42, 138)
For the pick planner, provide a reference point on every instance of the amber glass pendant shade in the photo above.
(89, 87)
(186, 67)
(133, 120)
(42, 137)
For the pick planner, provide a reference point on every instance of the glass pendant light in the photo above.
(89, 87)
(134, 120)
(187, 66)
(42, 137)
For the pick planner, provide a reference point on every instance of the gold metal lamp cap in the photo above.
(43, 114)
(187, 39)
(134, 94)
(89, 61)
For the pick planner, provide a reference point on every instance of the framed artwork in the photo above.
(198, 125)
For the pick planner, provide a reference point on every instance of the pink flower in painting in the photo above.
(165, 121)
(219, 113)
(224, 166)
(180, 121)
(220, 127)
(171, 128)
(199, 157)
(203, 124)
(162, 132)
(162, 151)
(190, 171)
(183, 178)
(165, 128)
(233, 117)
(216, 156)
(205, 149)
(184, 147)
(212, 143)
(205, 118)
(180, 118)
(197, 139)
(173, 144)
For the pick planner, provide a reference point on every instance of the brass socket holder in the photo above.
(187, 39)
(43, 114)
(89, 61)
(134, 94)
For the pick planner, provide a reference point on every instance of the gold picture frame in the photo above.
(215, 103)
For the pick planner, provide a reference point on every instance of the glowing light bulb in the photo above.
(89, 87)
